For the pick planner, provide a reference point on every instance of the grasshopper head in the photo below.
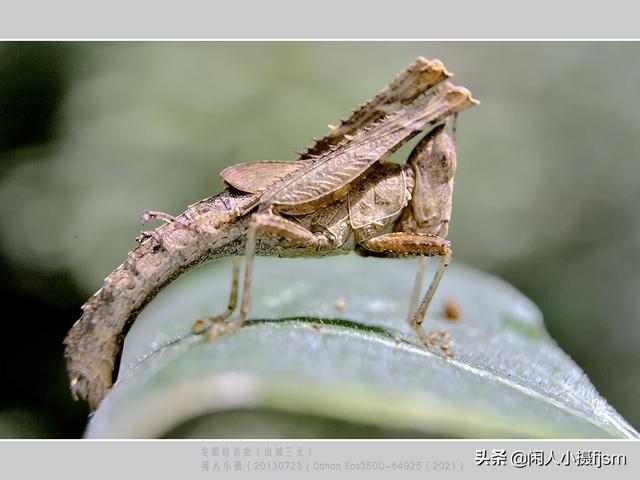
(433, 164)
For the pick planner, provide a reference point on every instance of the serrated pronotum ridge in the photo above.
(329, 177)
(416, 79)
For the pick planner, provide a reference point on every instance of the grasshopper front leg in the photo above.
(424, 245)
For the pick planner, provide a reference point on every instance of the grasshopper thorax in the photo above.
(432, 165)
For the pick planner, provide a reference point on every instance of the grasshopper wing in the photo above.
(255, 177)
(416, 79)
(322, 180)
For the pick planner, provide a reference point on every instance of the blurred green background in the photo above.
(92, 134)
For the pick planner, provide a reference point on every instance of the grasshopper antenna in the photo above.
(454, 127)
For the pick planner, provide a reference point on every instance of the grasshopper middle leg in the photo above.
(202, 323)
(401, 243)
(266, 223)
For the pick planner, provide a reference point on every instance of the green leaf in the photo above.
(303, 368)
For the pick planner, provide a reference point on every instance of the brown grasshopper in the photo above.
(339, 196)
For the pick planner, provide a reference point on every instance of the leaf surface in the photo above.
(304, 367)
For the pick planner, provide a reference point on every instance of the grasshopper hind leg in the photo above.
(423, 245)
(417, 285)
(439, 339)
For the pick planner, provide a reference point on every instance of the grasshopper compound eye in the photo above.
(433, 164)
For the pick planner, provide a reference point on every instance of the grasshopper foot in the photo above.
(438, 339)
(199, 326)
(220, 328)
(202, 324)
